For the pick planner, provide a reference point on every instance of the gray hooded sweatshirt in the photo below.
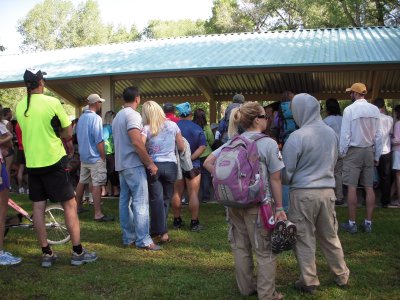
(310, 153)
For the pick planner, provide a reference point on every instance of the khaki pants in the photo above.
(246, 236)
(338, 179)
(313, 213)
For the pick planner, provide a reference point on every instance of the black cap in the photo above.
(169, 107)
(31, 75)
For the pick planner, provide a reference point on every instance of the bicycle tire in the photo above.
(57, 232)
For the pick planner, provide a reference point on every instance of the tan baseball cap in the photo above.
(94, 98)
(358, 88)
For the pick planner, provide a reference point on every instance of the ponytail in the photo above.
(30, 85)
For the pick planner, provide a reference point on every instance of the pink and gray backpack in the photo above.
(237, 177)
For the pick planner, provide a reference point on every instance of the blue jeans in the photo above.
(161, 189)
(134, 207)
(205, 182)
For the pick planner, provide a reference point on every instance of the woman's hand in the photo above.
(280, 215)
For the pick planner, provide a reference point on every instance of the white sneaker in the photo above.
(21, 190)
(27, 191)
(7, 259)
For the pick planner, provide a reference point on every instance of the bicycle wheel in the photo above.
(57, 232)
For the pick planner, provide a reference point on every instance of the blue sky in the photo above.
(126, 12)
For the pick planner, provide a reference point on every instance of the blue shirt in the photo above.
(89, 132)
(195, 137)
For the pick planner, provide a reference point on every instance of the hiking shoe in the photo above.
(84, 257)
(367, 227)
(178, 223)
(290, 236)
(278, 237)
(307, 289)
(349, 228)
(48, 260)
(339, 202)
(7, 259)
(196, 227)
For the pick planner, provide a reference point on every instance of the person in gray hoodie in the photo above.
(310, 155)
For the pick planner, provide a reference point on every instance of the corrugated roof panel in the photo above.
(274, 48)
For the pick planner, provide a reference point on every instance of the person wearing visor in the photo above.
(44, 123)
(361, 146)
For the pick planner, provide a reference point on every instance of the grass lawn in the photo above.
(192, 265)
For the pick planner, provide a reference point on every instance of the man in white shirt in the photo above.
(385, 161)
(361, 146)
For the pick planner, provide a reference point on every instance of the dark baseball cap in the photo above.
(31, 75)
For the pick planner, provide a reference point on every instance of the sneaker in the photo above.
(339, 202)
(151, 247)
(307, 289)
(367, 227)
(48, 260)
(178, 223)
(349, 228)
(184, 201)
(196, 227)
(7, 259)
(21, 190)
(84, 257)
(394, 204)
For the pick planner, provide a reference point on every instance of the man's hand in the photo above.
(152, 169)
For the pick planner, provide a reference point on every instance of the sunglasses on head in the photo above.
(263, 117)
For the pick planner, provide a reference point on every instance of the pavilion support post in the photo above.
(376, 85)
(213, 110)
(107, 93)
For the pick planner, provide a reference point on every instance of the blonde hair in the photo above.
(244, 116)
(109, 117)
(233, 125)
(154, 116)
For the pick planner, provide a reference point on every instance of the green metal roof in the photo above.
(314, 47)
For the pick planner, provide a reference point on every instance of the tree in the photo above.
(164, 29)
(55, 24)
(256, 15)
(227, 17)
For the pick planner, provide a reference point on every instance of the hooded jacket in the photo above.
(310, 153)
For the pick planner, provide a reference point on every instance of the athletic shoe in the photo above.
(339, 202)
(278, 237)
(7, 259)
(290, 236)
(307, 289)
(178, 223)
(21, 190)
(196, 227)
(349, 228)
(84, 257)
(48, 260)
(367, 227)
(151, 247)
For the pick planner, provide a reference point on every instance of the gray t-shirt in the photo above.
(125, 153)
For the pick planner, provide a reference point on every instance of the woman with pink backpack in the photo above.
(246, 232)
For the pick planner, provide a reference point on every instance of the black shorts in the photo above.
(53, 183)
(21, 157)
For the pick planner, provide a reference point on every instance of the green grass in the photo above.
(192, 265)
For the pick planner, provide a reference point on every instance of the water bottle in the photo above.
(267, 215)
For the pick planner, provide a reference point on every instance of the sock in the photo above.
(47, 250)
(366, 222)
(77, 249)
(352, 222)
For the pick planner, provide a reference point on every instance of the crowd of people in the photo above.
(151, 158)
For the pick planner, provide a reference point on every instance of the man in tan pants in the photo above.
(310, 156)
